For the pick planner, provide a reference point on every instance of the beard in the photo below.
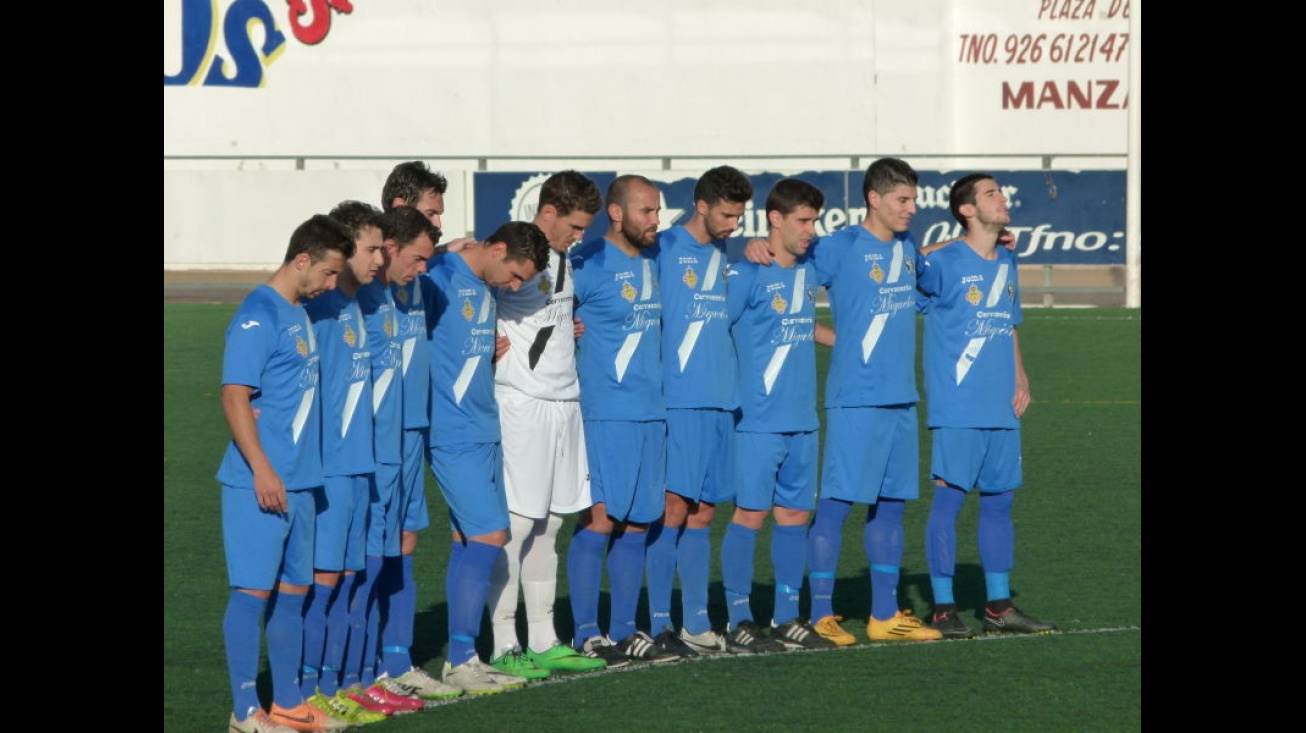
(639, 237)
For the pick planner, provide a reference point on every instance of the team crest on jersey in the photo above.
(301, 347)
(628, 291)
(351, 338)
(401, 294)
(778, 303)
(877, 273)
(546, 283)
(690, 277)
(973, 295)
(468, 310)
(390, 327)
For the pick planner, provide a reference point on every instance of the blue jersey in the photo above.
(411, 306)
(773, 324)
(460, 314)
(346, 385)
(970, 323)
(872, 291)
(698, 360)
(619, 357)
(381, 319)
(271, 348)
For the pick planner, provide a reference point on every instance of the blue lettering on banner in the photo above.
(240, 24)
(1058, 217)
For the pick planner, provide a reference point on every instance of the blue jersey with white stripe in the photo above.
(460, 314)
(773, 324)
(416, 366)
(698, 360)
(970, 322)
(619, 355)
(346, 384)
(872, 292)
(271, 348)
(382, 322)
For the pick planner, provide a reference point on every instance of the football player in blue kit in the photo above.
(872, 450)
(347, 463)
(976, 393)
(698, 372)
(620, 367)
(271, 474)
(414, 185)
(775, 330)
(465, 454)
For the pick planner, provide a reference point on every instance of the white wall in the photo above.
(465, 85)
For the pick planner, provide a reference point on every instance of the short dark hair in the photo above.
(404, 224)
(886, 174)
(568, 191)
(316, 237)
(526, 242)
(357, 216)
(723, 183)
(408, 181)
(963, 192)
(789, 193)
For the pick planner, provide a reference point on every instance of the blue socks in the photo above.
(693, 560)
(240, 632)
(315, 629)
(397, 636)
(997, 540)
(584, 574)
(941, 541)
(882, 540)
(466, 588)
(823, 543)
(660, 567)
(284, 628)
(789, 558)
(360, 650)
(337, 634)
(737, 571)
(625, 576)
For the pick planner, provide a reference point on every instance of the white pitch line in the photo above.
(641, 666)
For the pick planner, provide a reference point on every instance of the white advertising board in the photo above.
(585, 78)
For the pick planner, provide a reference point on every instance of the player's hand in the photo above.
(501, 346)
(759, 251)
(1022, 400)
(459, 244)
(578, 328)
(1007, 239)
(270, 493)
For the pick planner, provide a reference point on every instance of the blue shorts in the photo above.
(776, 469)
(342, 517)
(628, 467)
(383, 527)
(871, 452)
(412, 483)
(977, 458)
(471, 480)
(265, 548)
(700, 443)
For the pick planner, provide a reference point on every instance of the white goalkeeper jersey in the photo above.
(537, 319)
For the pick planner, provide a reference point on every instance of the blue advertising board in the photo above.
(1058, 217)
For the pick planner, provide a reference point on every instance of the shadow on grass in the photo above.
(852, 599)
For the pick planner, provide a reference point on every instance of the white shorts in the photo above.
(545, 468)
